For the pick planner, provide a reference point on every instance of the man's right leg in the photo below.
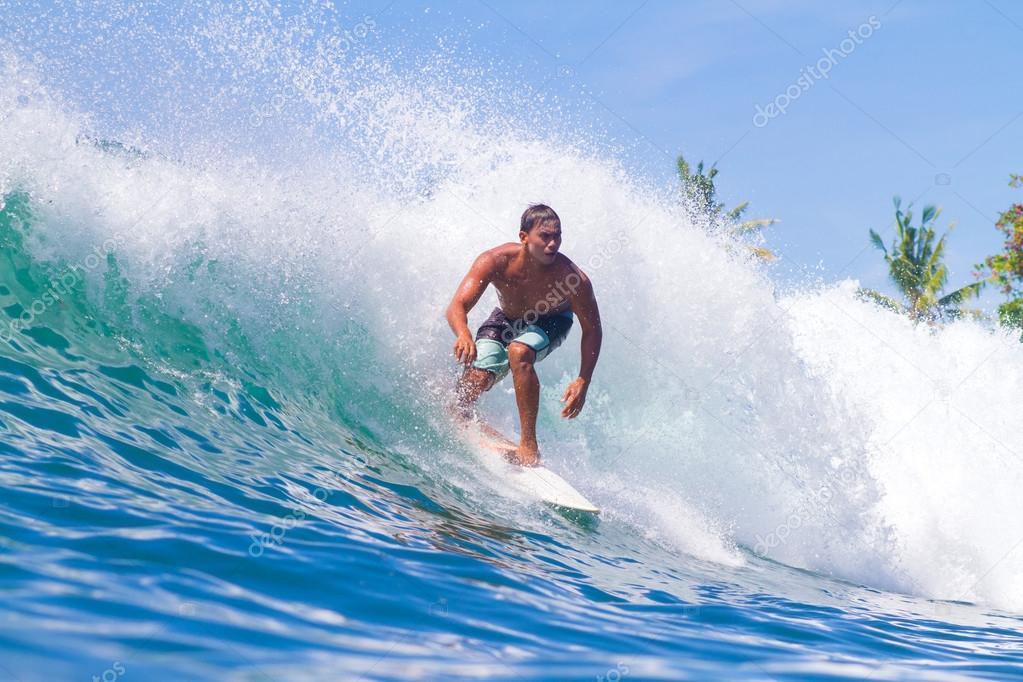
(473, 383)
(490, 365)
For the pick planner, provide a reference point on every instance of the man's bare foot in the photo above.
(524, 456)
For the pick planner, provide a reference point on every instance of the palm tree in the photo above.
(1005, 269)
(700, 200)
(916, 267)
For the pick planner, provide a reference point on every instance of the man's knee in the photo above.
(520, 356)
(485, 378)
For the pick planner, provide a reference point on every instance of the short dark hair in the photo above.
(538, 214)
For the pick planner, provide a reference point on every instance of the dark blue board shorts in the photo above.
(543, 335)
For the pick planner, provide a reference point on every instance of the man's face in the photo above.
(542, 242)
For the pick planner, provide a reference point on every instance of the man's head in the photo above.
(540, 233)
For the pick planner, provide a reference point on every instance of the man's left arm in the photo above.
(584, 305)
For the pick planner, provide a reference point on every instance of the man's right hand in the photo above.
(465, 349)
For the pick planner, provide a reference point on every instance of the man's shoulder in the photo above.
(505, 250)
(567, 266)
(497, 258)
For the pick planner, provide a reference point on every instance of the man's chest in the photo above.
(518, 292)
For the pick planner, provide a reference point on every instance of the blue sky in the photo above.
(927, 106)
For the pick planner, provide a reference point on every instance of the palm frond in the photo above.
(878, 242)
(935, 281)
(961, 294)
(755, 224)
(737, 212)
(763, 254)
(880, 299)
(973, 314)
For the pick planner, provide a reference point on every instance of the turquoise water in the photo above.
(223, 358)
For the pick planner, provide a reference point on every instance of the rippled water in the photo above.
(185, 531)
(188, 531)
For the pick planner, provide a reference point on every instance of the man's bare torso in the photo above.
(544, 291)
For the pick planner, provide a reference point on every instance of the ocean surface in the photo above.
(227, 238)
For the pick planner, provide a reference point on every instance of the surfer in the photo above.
(538, 290)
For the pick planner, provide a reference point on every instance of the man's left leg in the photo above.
(527, 396)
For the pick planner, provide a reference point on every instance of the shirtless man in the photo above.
(538, 290)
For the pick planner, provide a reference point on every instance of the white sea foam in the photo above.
(944, 444)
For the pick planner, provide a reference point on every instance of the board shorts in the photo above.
(544, 335)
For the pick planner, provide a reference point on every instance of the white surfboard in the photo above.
(538, 482)
(548, 487)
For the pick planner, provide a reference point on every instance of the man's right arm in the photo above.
(466, 296)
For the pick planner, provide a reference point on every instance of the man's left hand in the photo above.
(575, 398)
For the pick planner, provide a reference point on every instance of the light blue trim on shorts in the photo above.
(492, 356)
